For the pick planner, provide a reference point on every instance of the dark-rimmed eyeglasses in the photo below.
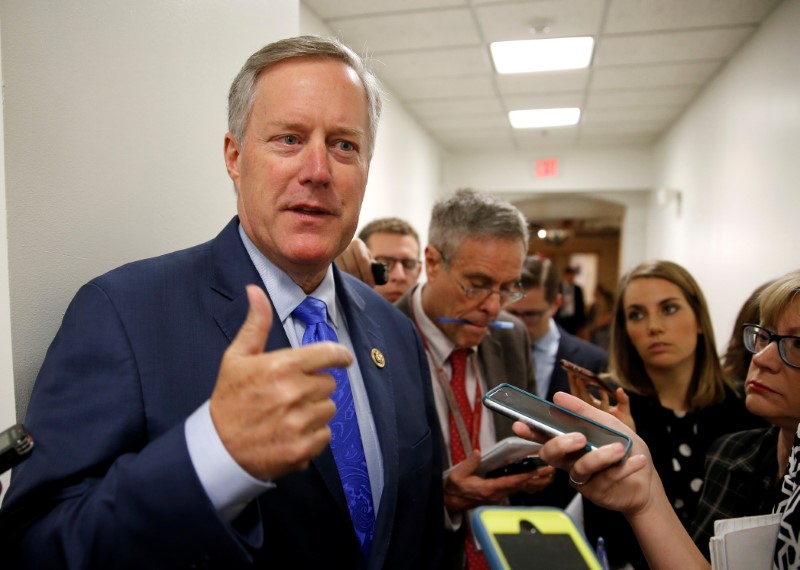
(407, 263)
(480, 294)
(757, 338)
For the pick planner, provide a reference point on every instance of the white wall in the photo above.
(579, 170)
(115, 114)
(734, 156)
(7, 413)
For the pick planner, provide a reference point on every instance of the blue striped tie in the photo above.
(348, 451)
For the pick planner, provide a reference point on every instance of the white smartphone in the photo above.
(549, 418)
(508, 456)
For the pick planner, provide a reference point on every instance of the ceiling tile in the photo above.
(475, 139)
(660, 115)
(515, 20)
(652, 58)
(622, 127)
(490, 120)
(444, 87)
(342, 8)
(409, 31)
(556, 81)
(544, 101)
(445, 62)
(604, 139)
(545, 138)
(670, 47)
(678, 96)
(656, 15)
(444, 107)
(672, 75)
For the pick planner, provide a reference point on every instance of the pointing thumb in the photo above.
(252, 336)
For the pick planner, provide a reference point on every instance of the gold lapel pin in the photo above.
(377, 358)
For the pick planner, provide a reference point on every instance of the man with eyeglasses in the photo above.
(394, 242)
(477, 244)
(551, 343)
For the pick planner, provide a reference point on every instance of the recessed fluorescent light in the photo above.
(526, 56)
(540, 118)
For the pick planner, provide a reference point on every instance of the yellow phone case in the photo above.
(515, 538)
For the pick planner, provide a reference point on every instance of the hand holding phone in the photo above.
(589, 386)
(586, 375)
(549, 418)
(508, 456)
(16, 445)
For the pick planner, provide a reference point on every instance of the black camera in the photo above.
(16, 445)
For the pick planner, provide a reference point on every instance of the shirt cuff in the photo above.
(229, 487)
(452, 521)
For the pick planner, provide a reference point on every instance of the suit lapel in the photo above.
(493, 368)
(233, 271)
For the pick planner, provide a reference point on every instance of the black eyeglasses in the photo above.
(480, 294)
(407, 263)
(757, 338)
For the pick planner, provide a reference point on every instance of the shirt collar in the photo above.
(438, 344)
(550, 339)
(285, 294)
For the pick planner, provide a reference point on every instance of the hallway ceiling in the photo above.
(651, 59)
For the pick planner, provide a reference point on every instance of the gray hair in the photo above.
(243, 88)
(472, 214)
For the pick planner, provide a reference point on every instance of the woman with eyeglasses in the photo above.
(634, 486)
(675, 395)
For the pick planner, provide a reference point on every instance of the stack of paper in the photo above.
(746, 543)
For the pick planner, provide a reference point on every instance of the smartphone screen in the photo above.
(549, 418)
(531, 550)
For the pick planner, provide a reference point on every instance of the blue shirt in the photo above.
(544, 357)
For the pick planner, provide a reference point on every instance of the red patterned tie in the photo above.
(458, 381)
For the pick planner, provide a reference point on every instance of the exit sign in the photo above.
(546, 168)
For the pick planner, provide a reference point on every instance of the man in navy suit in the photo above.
(550, 344)
(179, 421)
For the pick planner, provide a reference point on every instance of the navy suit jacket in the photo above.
(110, 483)
(581, 353)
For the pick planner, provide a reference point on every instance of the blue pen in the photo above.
(493, 324)
(602, 556)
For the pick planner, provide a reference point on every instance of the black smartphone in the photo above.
(549, 418)
(589, 378)
(380, 273)
(16, 445)
(524, 465)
